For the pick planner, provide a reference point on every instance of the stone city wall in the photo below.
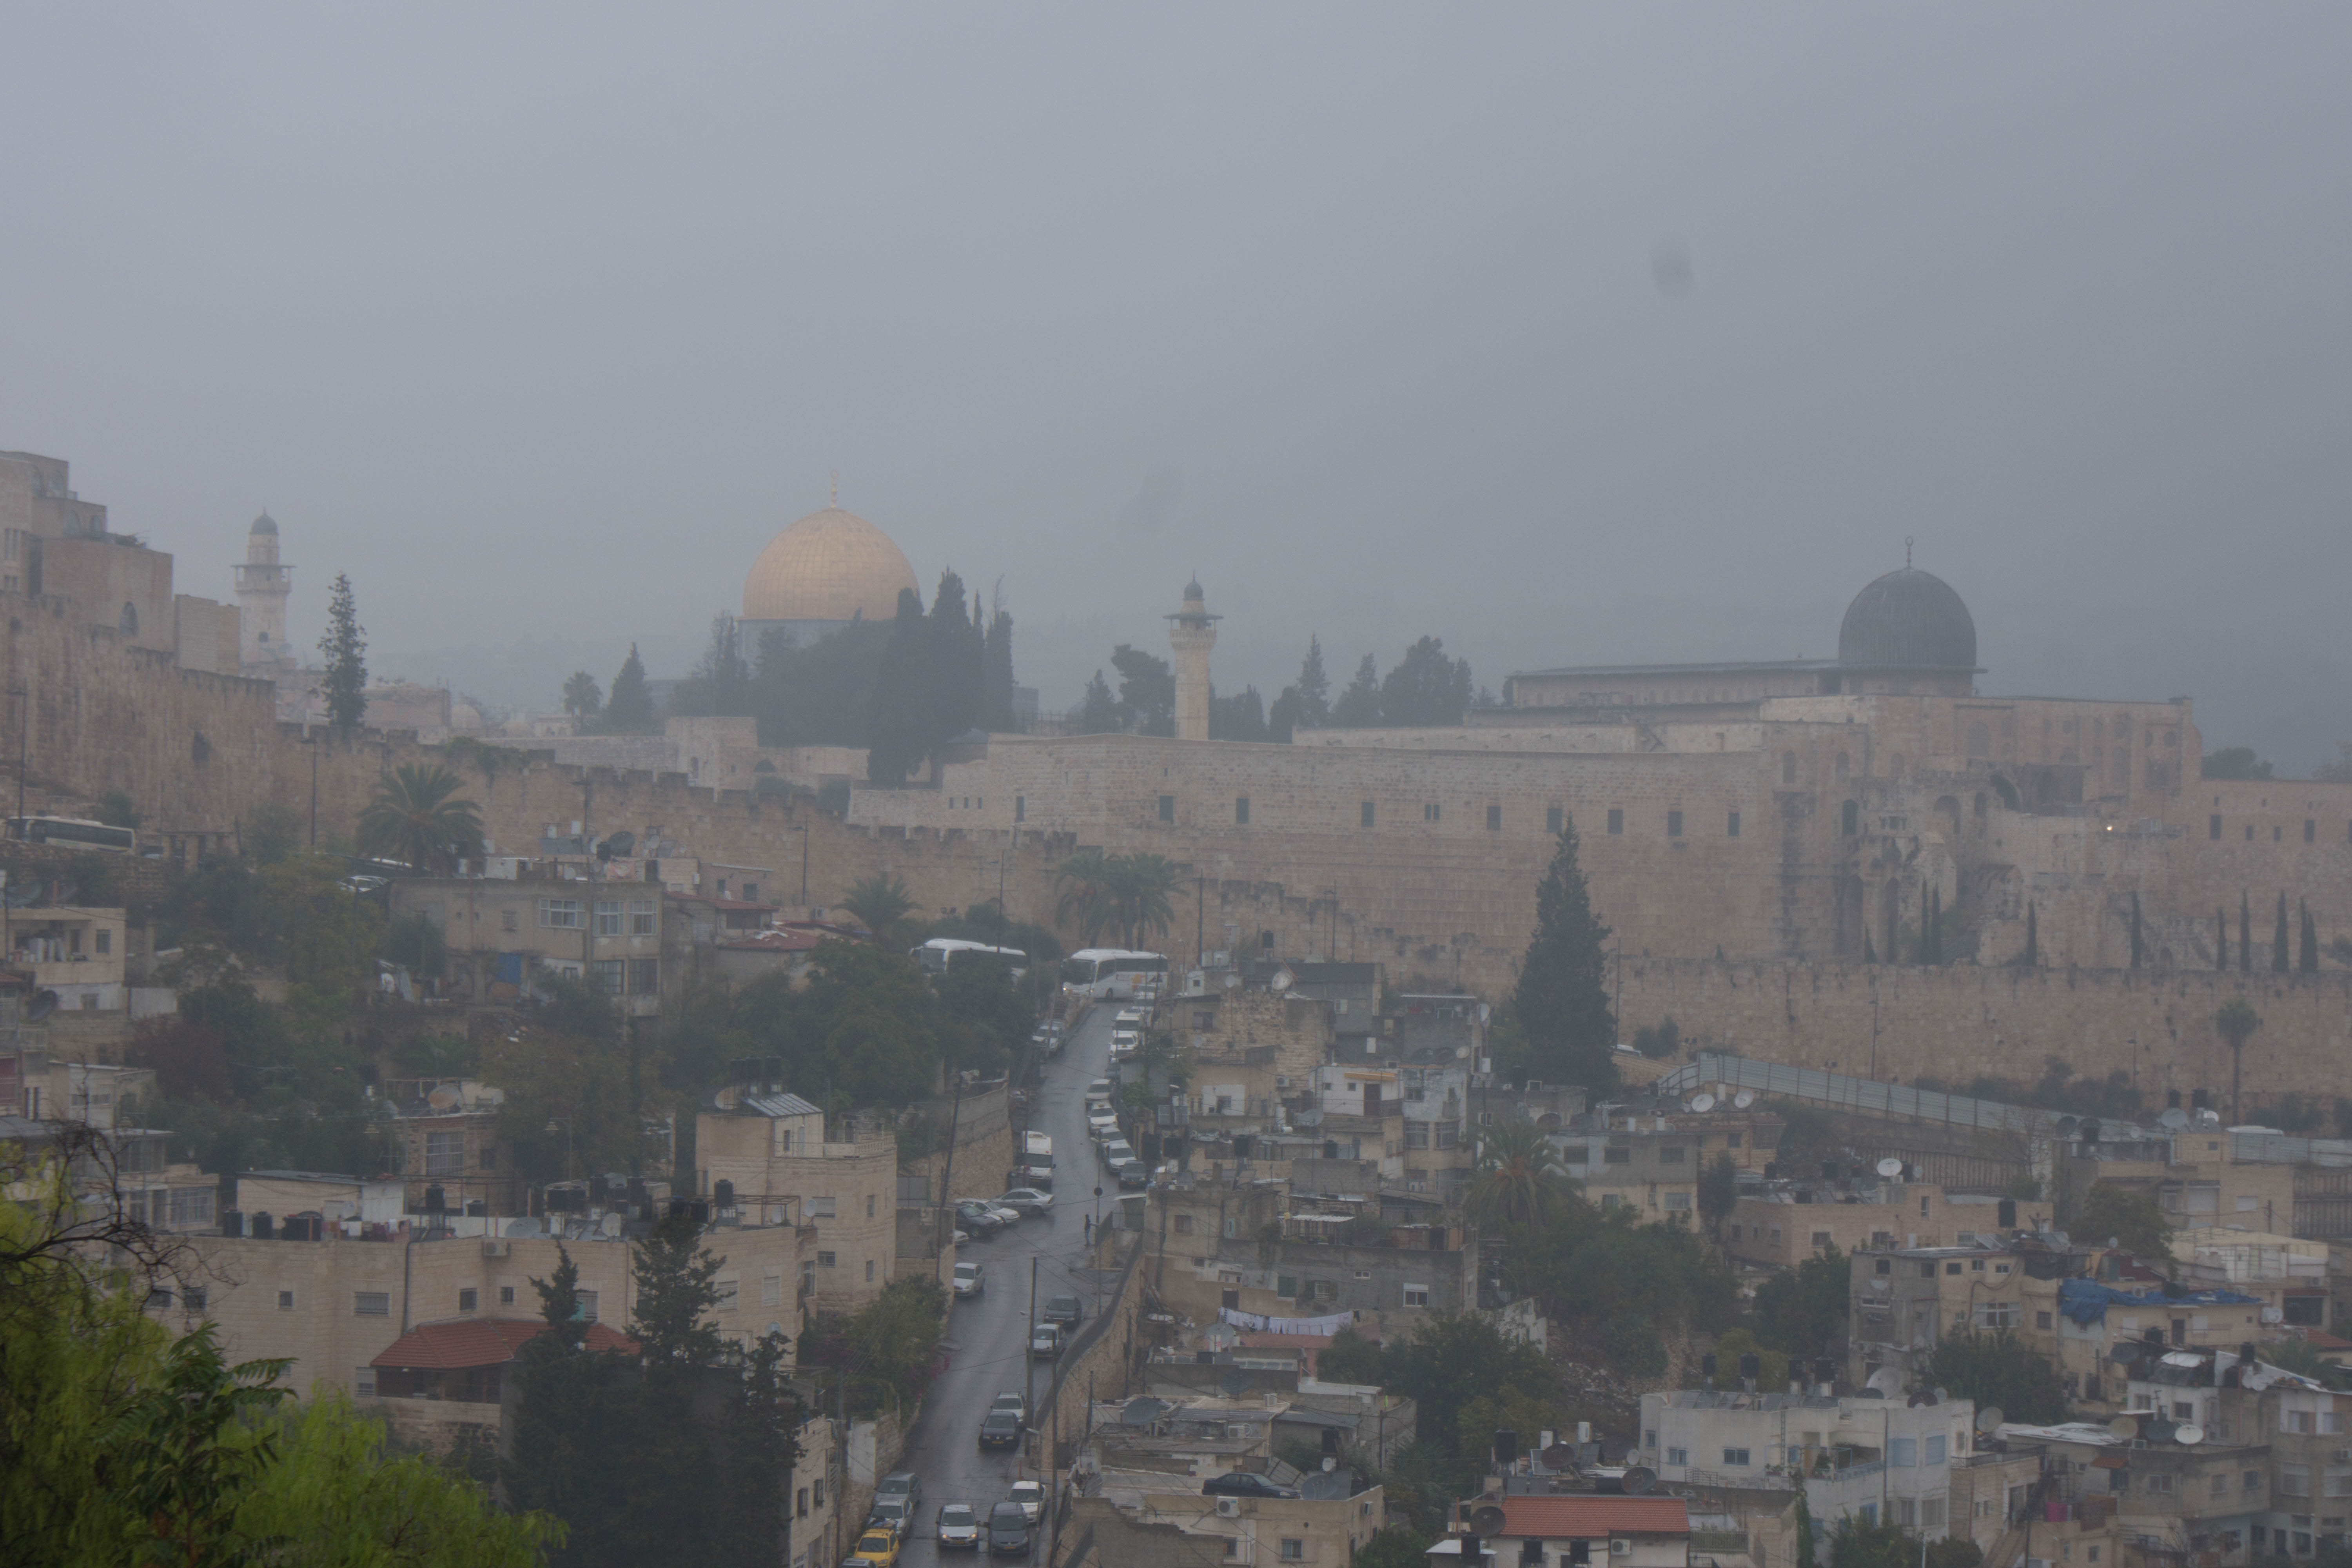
(1903, 1021)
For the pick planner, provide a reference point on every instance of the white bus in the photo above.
(73, 833)
(942, 953)
(1102, 973)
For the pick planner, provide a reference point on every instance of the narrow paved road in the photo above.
(987, 1340)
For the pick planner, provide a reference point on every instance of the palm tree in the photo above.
(1085, 879)
(879, 901)
(2237, 1022)
(417, 817)
(1140, 887)
(1520, 1180)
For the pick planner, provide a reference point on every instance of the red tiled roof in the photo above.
(1590, 1517)
(1312, 1344)
(479, 1341)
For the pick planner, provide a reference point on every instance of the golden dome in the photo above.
(831, 566)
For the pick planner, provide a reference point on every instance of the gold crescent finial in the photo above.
(835, 501)
(1906, 552)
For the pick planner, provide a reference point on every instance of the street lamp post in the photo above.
(23, 746)
(804, 853)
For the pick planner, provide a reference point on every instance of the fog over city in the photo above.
(1566, 334)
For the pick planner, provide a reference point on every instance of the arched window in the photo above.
(1787, 769)
(1851, 819)
(130, 622)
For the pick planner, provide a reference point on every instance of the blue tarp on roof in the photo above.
(2086, 1301)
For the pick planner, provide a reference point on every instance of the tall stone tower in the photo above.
(1191, 632)
(263, 583)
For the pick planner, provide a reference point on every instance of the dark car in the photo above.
(1242, 1483)
(1008, 1531)
(1134, 1173)
(1065, 1311)
(977, 1219)
(1000, 1429)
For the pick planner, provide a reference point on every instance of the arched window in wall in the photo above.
(130, 618)
(1851, 819)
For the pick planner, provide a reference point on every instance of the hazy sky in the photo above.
(1567, 333)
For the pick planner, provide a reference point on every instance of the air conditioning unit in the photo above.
(1618, 1546)
(1229, 1508)
(496, 1248)
(1535, 1083)
(1281, 1080)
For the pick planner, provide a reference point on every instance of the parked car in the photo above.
(978, 1219)
(1134, 1173)
(971, 1280)
(1026, 1201)
(1099, 1089)
(876, 1548)
(1125, 1043)
(1000, 1429)
(1014, 1400)
(1045, 1343)
(1031, 1496)
(1117, 1152)
(1243, 1483)
(959, 1526)
(1008, 1531)
(896, 1513)
(899, 1484)
(1129, 1018)
(1008, 1216)
(1065, 1311)
(1102, 1128)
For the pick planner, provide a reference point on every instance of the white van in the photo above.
(1037, 1158)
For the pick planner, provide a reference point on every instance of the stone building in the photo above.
(773, 1156)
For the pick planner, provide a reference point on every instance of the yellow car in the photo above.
(878, 1546)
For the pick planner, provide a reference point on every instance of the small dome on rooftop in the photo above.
(265, 523)
(1908, 619)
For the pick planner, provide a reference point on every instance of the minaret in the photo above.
(263, 583)
(1191, 632)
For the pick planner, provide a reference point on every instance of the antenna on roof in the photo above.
(1906, 552)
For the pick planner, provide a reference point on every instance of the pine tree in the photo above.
(1098, 710)
(954, 669)
(2032, 939)
(2279, 964)
(584, 700)
(997, 707)
(344, 649)
(1358, 706)
(629, 711)
(1314, 688)
(2245, 941)
(2307, 959)
(572, 1425)
(900, 706)
(1561, 1003)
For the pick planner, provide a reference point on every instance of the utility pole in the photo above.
(25, 756)
(1028, 1351)
(1200, 922)
(805, 852)
(947, 1175)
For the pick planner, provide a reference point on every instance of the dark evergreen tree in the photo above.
(996, 707)
(2245, 936)
(2279, 964)
(720, 686)
(1358, 706)
(1241, 717)
(956, 667)
(2136, 947)
(2032, 939)
(1282, 720)
(1427, 688)
(584, 700)
(1313, 687)
(898, 736)
(1147, 691)
(2307, 959)
(1561, 1003)
(1098, 711)
(344, 648)
(573, 1447)
(753, 1482)
(629, 709)
(678, 1346)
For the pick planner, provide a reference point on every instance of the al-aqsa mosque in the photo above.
(819, 574)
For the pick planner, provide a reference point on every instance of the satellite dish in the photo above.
(622, 844)
(443, 1099)
(2125, 1353)
(1486, 1522)
(611, 1225)
(2176, 1118)
(1989, 1418)
(1886, 1381)
(2066, 1128)
(1890, 1167)
(2123, 1427)
(2188, 1433)
(1559, 1456)
(1743, 1099)
(1941, 1396)
(43, 1004)
(1234, 1384)
(1640, 1480)
(2208, 1118)
(1703, 1104)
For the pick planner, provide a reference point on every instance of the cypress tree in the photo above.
(2032, 939)
(996, 705)
(2221, 939)
(1562, 1002)
(2278, 940)
(344, 649)
(629, 709)
(898, 727)
(2308, 959)
(2245, 943)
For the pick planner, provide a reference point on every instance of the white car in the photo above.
(1117, 1152)
(1026, 1200)
(1124, 1043)
(971, 1280)
(1031, 1496)
(1129, 1018)
(1009, 1216)
(1102, 1127)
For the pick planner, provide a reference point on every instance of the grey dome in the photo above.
(1907, 620)
(263, 524)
